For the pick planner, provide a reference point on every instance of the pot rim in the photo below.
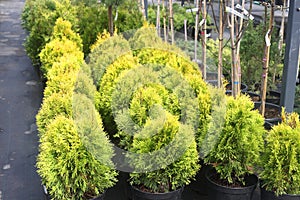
(209, 172)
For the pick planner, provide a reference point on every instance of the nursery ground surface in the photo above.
(20, 98)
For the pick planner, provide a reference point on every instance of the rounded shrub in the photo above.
(63, 75)
(63, 42)
(235, 148)
(39, 18)
(52, 106)
(67, 168)
(153, 108)
(104, 52)
(280, 171)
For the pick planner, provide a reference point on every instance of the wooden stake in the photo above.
(203, 33)
(266, 59)
(171, 21)
(158, 18)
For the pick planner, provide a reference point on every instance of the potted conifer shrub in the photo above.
(152, 97)
(234, 150)
(280, 172)
(163, 152)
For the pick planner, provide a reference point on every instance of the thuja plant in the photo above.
(280, 171)
(159, 54)
(158, 127)
(63, 42)
(62, 76)
(67, 168)
(103, 53)
(52, 106)
(236, 148)
(38, 18)
(107, 86)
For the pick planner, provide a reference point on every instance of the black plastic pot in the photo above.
(142, 195)
(219, 192)
(199, 185)
(268, 195)
(244, 88)
(254, 96)
(270, 121)
(212, 82)
(48, 197)
(273, 97)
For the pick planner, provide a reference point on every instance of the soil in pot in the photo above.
(142, 194)
(220, 190)
(272, 112)
(254, 96)
(268, 195)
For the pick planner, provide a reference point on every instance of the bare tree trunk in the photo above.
(165, 22)
(110, 20)
(234, 66)
(171, 21)
(203, 33)
(158, 18)
(238, 45)
(196, 30)
(221, 33)
(143, 10)
(281, 32)
(266, 60)
(185, 30)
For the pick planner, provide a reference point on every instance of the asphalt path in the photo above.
(20, 99)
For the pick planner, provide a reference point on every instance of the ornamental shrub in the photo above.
(107, 86)
(170, 176)
(63, 42)
(153, 108)
(52, 106)
(105, 51)
(39, 18)
(236, 147)
(62, 76)
(280, 169)
(67, 168)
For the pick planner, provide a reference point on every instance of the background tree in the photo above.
(110, 4)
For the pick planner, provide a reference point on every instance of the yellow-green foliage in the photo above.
(62, 76)
(63, 29)
(107, 86)
(105, 51)
(151, 98)
(281, 157)
(169, 177)
(39, 18)
(67, 168)
(84, 85)
(236, 147)
(52, 106)
(145, 37)
(64, 42)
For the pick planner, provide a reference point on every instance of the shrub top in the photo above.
(281, 157)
